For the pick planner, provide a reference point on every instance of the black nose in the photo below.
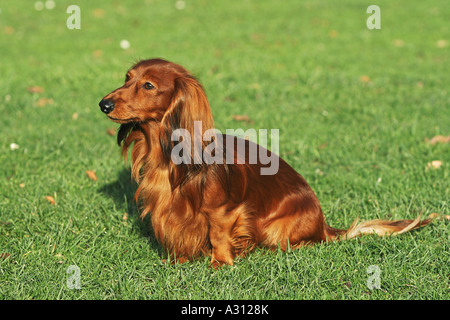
(106, 106)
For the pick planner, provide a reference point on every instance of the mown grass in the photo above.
(353, 107)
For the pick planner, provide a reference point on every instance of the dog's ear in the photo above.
(189, 111)
(184, 122)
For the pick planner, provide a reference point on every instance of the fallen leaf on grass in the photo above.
(8, 30)
(364, 79)
(98, 13)
(35, 89)
(4, 255)
(97, 53)
(242, 118)
(434, 164)
(91, 175)
(438, 139)
(44, 101)
(50, 199)
(111, 131)
(398, 43)
(333, 34)
(442, 43)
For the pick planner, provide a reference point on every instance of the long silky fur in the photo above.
(222, 210)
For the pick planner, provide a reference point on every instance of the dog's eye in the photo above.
(148, 86)
(127, 77)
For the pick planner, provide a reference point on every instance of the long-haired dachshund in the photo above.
(218, 208)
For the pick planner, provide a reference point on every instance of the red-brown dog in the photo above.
(219, 209)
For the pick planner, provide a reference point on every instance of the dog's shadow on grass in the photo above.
(122, 190)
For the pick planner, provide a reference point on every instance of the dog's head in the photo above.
(146, 94)
(163, 93)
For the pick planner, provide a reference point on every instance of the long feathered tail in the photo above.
(379, 227)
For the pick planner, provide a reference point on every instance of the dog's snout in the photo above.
(106, 105)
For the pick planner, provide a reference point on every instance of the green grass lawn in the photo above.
(353, 107)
